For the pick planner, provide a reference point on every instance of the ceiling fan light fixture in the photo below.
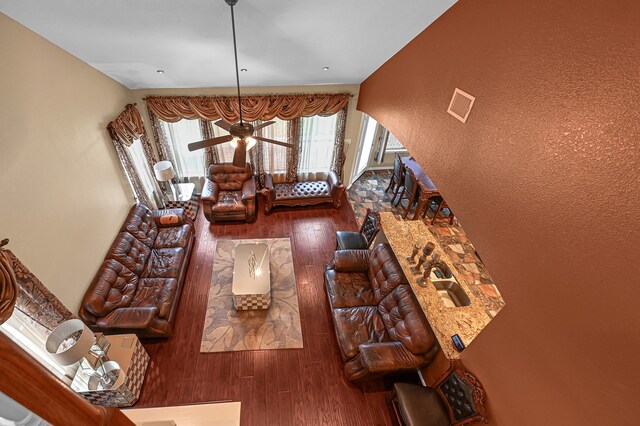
(251, 142)
(234, 142)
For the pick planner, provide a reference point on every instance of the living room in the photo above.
(546, 161)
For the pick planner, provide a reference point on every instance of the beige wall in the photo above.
(62, 193)
(544, 177)
(354, 117)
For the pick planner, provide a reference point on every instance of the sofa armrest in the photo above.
(350, 261)
(210, 192)
(165, 218)
(129, 318)
(388, 356)
(249, 189)
(269, 190)
(334, 182)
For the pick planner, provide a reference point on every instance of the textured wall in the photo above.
(544, 178)
(62, 193)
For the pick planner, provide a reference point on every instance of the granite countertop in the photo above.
(465, 321)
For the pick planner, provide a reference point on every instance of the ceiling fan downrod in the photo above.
(232, 3)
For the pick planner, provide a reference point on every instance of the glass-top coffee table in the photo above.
(251, 285)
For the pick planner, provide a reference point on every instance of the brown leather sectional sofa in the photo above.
(304, 193)
(379, 323)
(138, 286)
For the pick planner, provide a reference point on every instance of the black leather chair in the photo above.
(349, 240)
(410, 191)
(458, 399)
(397, 178)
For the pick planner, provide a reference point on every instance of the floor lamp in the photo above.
(164, 173)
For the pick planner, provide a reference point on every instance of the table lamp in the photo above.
(164, 173)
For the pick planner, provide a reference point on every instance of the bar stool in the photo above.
(458, 399)
(347, 240)
(397, 178)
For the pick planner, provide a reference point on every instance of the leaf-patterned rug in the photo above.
(278, 327)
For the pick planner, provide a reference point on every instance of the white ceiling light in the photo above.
(325, 69)
(160, 71)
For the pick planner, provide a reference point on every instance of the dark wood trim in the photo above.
(27, 382)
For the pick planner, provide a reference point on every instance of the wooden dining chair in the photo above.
(439, 207)
(397, 178)
(410, 191)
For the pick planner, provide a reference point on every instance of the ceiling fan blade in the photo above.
(240, 154)
(288, 145)
(263, 125)
(209, 142)
(223, 124)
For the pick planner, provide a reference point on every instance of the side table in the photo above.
(184, 199)
(133, 360)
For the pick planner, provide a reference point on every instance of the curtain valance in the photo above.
(127, 127)
(257, 107)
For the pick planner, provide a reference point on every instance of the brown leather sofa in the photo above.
(229, 193)
(302, 193)
(379, 323)
(138, 286)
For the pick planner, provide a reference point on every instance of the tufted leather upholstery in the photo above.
(303, 193)
(138, 286)
(379, 324)
(458, 399)
(346, 240)
(229, 193)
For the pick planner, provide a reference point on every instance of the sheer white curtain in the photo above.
(275, 158)
(189, 164)
(225, 150)
(317, 140)
(146, 175)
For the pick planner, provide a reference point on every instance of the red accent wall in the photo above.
(544, 177)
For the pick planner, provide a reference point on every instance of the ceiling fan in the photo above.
(241, 133)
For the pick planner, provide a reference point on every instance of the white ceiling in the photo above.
(280, 42)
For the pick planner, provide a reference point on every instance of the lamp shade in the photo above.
(77, 350)
(164, 170)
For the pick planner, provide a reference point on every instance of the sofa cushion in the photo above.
(304, 189)
(164, 263)
(348, 289)
(129, 251)
(159, 292)
(113, 287)
(229, 177)
(358, 325)
(385, 273)
(175, 236)
(229, 202)
(141, 225)
(405, 322)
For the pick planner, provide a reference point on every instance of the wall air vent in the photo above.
(460, 105)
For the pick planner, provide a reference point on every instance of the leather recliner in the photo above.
(229, 193)
(138, 286)
(378, 321)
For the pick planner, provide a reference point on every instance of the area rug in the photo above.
(278, 327)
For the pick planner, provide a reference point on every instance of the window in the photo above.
(179, 136)
(393, 144)
(147, 178)
(274, 157)
(318, 136)
(31, 337)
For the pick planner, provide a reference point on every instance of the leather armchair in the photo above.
(379, 324)
(229, 193)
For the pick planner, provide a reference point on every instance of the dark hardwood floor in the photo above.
(276, 387)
